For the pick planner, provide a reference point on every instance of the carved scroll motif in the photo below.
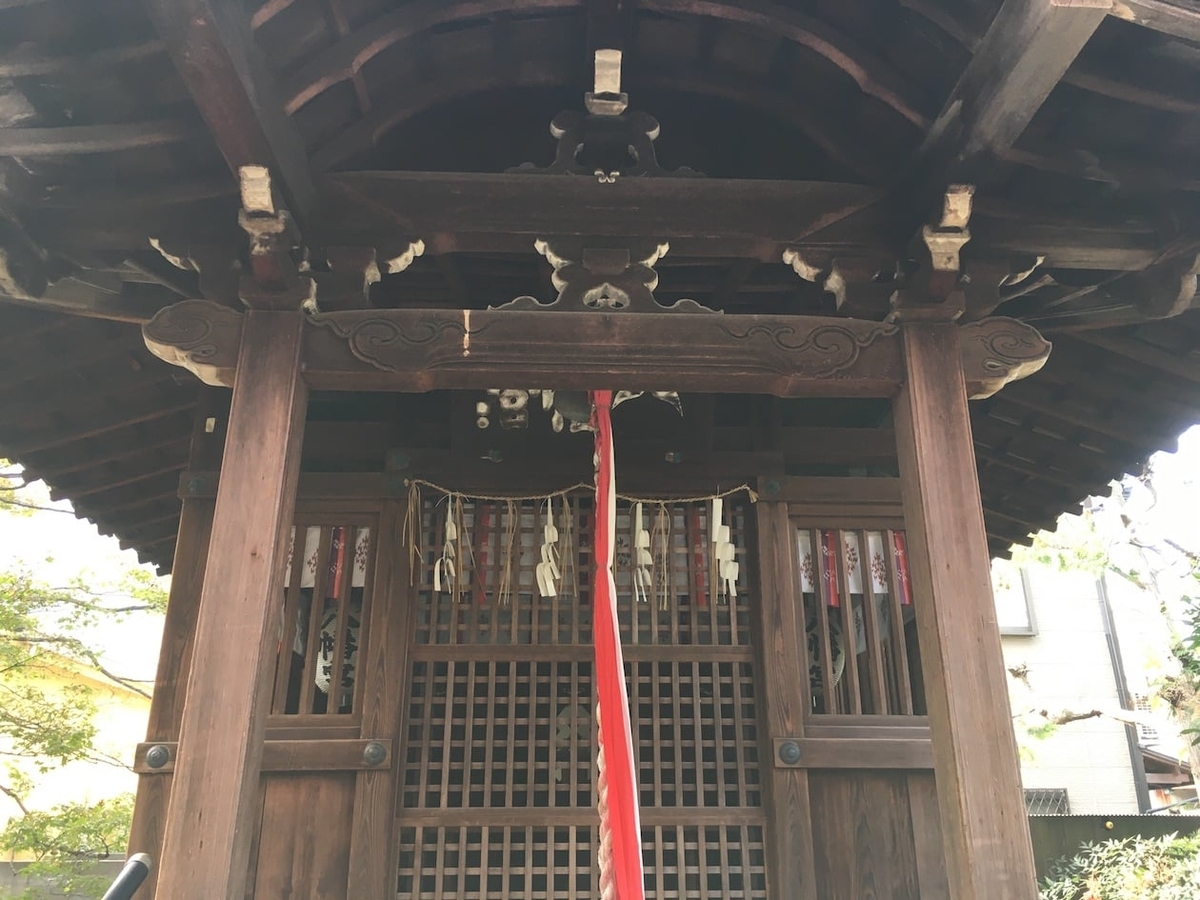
(382, 343)
(197, 335)
(819, 352)
(998, 351)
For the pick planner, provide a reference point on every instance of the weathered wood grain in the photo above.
(987, 847)
(206, 847)
(300, 850)
(313, 754)
(383, 675)
(228, 78)
(1023, 55)
(785, 700)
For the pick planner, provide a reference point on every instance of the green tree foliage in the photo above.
(1166, 868)
(44, 725)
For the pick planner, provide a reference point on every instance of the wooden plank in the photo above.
(72, 140)
(1023, 55)
(228, 78)
(422, 350)
(860, 753)
(927, 836)
(835, 492)
(865, 845)
(1176, 19)
(383, 677)
(206, 851)
(302, 850)
(988, 853)
(174, 663)
(175, 655)
(321, 754)
(785, 700)
(359, 207)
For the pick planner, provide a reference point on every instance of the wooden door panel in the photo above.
(304, 847)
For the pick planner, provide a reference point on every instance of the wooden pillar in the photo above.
(785, 695)
(179, 625)
(985, 830)
(216, 782)
(374, 847)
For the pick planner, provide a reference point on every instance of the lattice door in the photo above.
(498, 757)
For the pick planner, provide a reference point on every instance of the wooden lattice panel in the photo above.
(499, 735)
(497, 863)
(716, 862)
(695, 729)
(332, 562)
(498, 756)
(859, 622)
(493, 598)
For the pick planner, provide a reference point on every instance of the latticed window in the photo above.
(498, 762)
(1047, 802)
(859, 621)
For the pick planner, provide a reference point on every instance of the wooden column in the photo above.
(211, 815)
(374, 847)
(785, 695)
(179, 625)
(985, 831)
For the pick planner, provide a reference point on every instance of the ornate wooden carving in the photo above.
(997, 351)
(197, 335)
(612, 279)
(422, 350)
(607, 141)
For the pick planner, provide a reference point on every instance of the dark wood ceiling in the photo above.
(119, 121)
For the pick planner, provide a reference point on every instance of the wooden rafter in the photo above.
(1181, 20)
(69, 140)
(1023, 55)
(213, 49)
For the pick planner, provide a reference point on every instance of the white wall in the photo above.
(1069, 668)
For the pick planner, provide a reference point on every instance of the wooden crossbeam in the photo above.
(70, 140)
(212, 47)
(1023, 55)
(1181, 20)
(417, 350)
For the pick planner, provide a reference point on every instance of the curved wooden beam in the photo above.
(341, 62)
(345, 58)
(23, 62)
(873, 76)
(420, 350)
(68, 140)
(359, 137)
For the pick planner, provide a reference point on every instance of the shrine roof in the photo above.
(120, 122)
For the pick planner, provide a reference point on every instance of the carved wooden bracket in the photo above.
(998, 351)
(606, 279)
(607, 141)
(420, 350)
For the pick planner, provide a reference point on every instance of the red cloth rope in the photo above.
(616, 738)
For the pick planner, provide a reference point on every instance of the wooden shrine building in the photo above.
(821, 249)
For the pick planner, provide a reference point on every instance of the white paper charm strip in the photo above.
(643, 583)
(807, 569)
(723, 553)
(547, 571)
(877, 563)
(853, 555)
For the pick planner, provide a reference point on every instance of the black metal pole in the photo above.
(126, 884)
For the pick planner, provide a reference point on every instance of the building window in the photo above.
(1014, 606)
(1047, 802)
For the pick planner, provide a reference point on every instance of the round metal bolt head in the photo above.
(789, 753)
(374, 753)
(158, 756)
